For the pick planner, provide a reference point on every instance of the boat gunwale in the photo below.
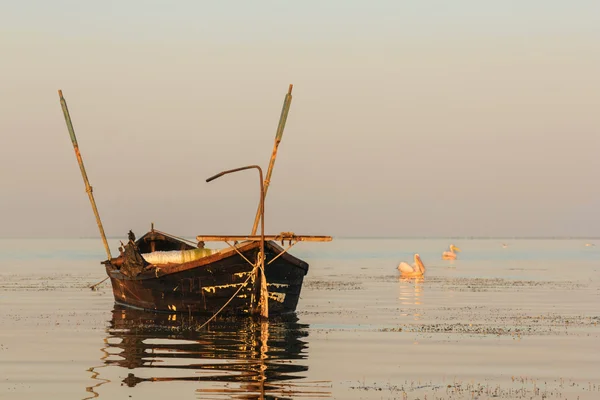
(156, 271)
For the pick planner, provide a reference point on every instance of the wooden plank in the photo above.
(256, 238)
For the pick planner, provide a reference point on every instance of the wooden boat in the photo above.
(205, 284)
(165, 273)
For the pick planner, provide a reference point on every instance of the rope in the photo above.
(93, 287)
(228, 301)
(237, 251)
(283, 252)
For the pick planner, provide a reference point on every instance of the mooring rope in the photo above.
(228, 301)
(93, 287)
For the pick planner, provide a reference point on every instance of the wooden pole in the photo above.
(282, 119)
(88, 188)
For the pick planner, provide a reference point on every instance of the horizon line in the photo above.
(464, 237)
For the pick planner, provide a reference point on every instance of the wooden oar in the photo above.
(88, 188)
(282, 119)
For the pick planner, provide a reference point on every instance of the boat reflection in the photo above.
(239, 358)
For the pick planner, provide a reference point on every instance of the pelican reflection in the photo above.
(411, 291)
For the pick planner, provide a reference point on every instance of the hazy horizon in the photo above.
(427, 119)
(192, 237)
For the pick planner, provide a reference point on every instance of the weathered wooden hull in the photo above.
(205, 286)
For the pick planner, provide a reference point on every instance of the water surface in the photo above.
(514, 322)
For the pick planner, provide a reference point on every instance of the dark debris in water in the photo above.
(486, 284)
(515, 326)
(332, 285)
(36, 283)
(517, 387)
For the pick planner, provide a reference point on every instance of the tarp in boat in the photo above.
(176, 256)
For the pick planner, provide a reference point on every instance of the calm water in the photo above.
(515, 322)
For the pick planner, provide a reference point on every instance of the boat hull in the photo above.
(223, 283)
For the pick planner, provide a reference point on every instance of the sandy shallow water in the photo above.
(520, 322)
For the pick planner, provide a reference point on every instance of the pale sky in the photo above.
(420, 118)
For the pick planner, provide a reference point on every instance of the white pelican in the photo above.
(450, 253)
(412, 271)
